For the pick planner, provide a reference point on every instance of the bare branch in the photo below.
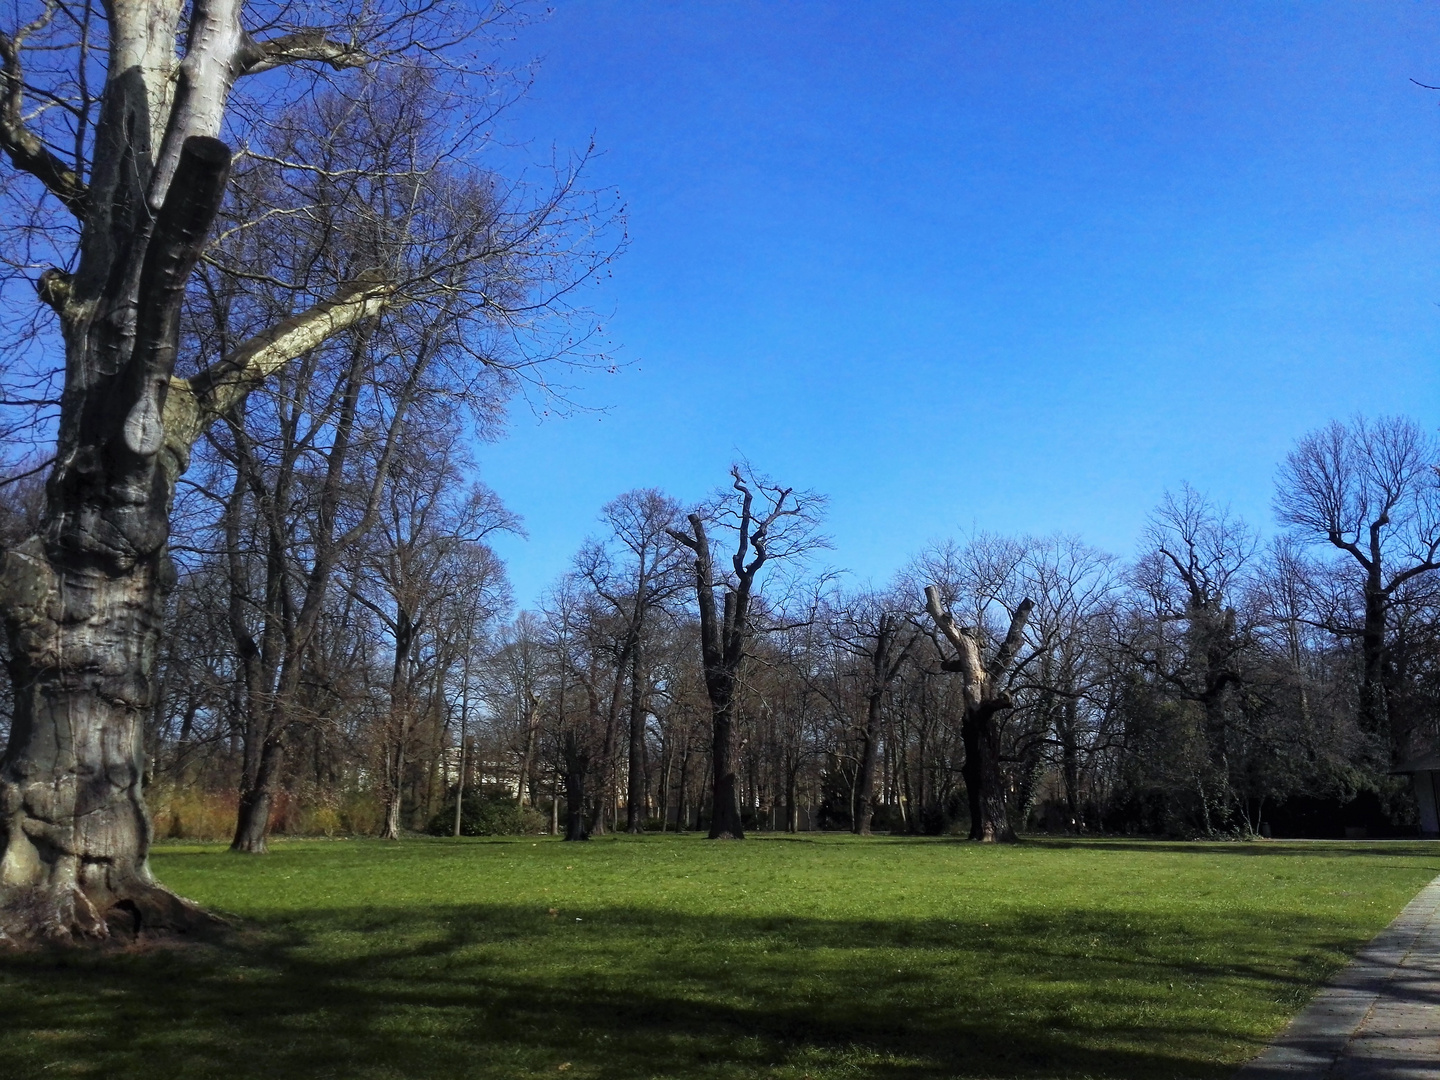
(304, 45)
(26, 150)
(220, 387)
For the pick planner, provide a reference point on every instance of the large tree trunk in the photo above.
(984, 780)
(83, 602)
(75, 830)
(1373, 711)
(725, 820)
(257, 798)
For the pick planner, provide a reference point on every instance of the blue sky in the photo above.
(1004, 266)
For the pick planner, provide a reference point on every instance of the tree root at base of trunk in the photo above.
(36, 916)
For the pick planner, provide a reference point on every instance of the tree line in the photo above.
(264, 289)
(699, 668)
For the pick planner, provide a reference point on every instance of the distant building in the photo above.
(1425, 771)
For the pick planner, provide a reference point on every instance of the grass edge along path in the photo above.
(662, 956)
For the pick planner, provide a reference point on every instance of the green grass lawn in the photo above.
(820, 957)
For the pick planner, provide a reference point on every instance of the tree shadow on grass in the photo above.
(1328, 849)
(618, 993)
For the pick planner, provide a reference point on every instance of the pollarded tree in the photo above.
(112, 120)
(987, 660)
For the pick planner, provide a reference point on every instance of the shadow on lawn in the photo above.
(1326, 849)
(482, 991)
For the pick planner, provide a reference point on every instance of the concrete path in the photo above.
(1379, 1019)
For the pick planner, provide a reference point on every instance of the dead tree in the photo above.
(986, 694)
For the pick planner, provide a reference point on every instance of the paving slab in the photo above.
(1379, 1019)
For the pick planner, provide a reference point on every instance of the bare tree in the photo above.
(990, 566)
(1193, 631)
(132, 164)
(877, 631)
(634, 571)
(769, 522)
(1369, 489)
(1072, 627)
(428, 555)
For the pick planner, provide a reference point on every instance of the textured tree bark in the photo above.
(869, 755)
(726, 822)
(75, 830)
(82, 600)
(83, 603)
(984, 781)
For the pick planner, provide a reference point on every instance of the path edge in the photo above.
(1313, 1041)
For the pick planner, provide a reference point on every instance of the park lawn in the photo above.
(663, 956)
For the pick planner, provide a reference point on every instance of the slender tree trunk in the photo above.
(577, 764)
(460, 787)
(869, 753)
(683, 789)
(555, 805)
(399, 721)
(605, 795)
(464, 732)
(635, 791)
(667, 762)
(1070, 764)
(792, 800)
(532, 731)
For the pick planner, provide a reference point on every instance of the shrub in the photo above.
(488, 812)
(182, 812)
